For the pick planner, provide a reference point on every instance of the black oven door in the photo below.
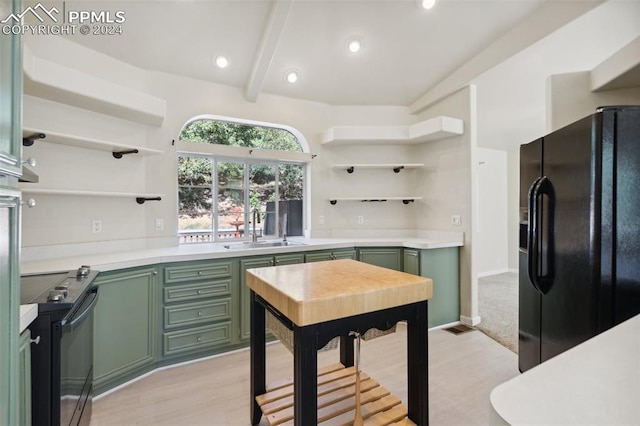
(76, 363)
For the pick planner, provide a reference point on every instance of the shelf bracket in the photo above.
(333, 202)
(350, 169)
(397, 169)
(119, 154)
(141, 200)
(29, 140)
(407, 201)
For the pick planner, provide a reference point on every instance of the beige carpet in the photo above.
(498, 308)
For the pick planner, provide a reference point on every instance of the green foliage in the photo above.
(235, 134)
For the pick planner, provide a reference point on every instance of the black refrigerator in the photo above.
(579, 271)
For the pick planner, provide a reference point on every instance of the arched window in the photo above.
(240, 186)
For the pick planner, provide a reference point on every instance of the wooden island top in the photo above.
(310, 293)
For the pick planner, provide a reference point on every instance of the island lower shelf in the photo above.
(336, 400)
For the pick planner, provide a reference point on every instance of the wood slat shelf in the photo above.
(336, 400)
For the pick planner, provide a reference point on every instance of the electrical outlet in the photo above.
(456, 220)
(159, 224)
(360, 220)
(321, 220)
(96, 226)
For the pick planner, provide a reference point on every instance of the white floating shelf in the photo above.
(405, 200)
(88, 143)
(429, 130)
(396, 167)
(68, 192)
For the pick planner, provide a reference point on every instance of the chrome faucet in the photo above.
(256, 218)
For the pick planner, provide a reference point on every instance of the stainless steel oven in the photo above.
(62, 360)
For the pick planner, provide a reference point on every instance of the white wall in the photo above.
(490, 232)
(569, 98)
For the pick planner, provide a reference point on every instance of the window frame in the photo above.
(247, 156)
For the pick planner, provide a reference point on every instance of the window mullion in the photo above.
(214, 199)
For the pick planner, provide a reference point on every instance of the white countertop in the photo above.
(594, 383)
(199, 251)
(27, 314)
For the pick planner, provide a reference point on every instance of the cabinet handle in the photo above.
(199, 313)
(154, 273)
(333, 256)
(199, 291)
(198, 338)
(277, 262)
(36, 340)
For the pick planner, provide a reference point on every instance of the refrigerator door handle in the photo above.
(540, 280)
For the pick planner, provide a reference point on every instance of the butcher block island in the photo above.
(317, 302)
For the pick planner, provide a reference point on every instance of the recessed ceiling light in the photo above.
(291, 76)
(354, 45)
(222, 61)
(428, 4)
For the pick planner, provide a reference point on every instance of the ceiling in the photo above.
(406, 51)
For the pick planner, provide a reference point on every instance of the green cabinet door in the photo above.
(24, 382)
(385, 257)
(441, 265)
(125, 326)
(322, 255)
(258, 262)
(411, 261)
(10, 93)
(9, 305)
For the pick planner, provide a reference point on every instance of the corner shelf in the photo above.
(68, 192)
(396, 167)
(88, 143)
(405, 200)
(425, 131)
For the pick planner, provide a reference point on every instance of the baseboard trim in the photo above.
(440, 327)
(469, 321)
(495, 272)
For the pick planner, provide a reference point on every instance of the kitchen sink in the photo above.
(260, 244)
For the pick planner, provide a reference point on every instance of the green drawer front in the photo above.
(197, 291)
(197, 313)
(201, 338)
(180, 274)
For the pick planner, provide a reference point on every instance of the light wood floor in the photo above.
(463, 369)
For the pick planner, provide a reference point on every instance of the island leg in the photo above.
(305, 376)
(346, 351)
(258, 356)
(417, 366)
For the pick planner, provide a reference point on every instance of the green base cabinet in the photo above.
(125, 326)
(390, 258)
(199, 313)
(322, 255)
(441, 265)
(24, 382)
(258, 262)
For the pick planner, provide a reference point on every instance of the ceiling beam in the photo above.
(268, 46)
(548, 18)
